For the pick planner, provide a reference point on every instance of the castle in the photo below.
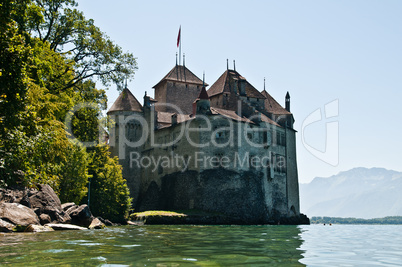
(230, 149)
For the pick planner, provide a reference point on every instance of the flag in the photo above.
(178, 37)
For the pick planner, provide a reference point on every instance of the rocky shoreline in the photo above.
(30, 210)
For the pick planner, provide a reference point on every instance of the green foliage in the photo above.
(86, 125)
(76, 38)
(15, 56)
(337, 220)
(46, 158)
(109, 194)
(48, 53)
(50, 72)
(74, 174)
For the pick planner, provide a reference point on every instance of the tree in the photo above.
(69, 33)
(49, 54)
(86, 122)
(74, 174)
(15, 56)
(109, 194)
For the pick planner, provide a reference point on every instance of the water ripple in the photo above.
(164, 245)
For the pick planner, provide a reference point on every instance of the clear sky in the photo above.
(319, 51)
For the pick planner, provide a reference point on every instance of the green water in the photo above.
(154, 245)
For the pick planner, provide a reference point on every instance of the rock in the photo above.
(96, 224)
(38, 228)
(71, 209)
(137, 223)
(57, 215)
(6, 227)
(18, 214)
(80, 215)
(59, 226)
(45, 198)
(44, 219)
(15, 195)
(106, 222)
(45, 201)
(66, 206)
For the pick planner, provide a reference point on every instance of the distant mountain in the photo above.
(360, 193)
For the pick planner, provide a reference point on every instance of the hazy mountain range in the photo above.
(359, 193)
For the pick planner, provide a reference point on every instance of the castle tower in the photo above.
(125, 134)
(180, 87)
(231, 87)
(202, 105)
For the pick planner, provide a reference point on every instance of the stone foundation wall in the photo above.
(239, 195)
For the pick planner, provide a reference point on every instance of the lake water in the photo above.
(156, 245)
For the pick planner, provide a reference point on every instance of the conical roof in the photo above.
(126, 102)
(203, 94)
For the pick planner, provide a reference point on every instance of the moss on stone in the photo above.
(159, 213)
(179, 217)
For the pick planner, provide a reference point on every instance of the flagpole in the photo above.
(180, 47)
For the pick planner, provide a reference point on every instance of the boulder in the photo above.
(16, 195)
(66, 206)
(80, 215)
(59, 226)
(96, 224)
(71, 209)
(107, 222)
(45, 201)
(32, 228)
(6, 227)
(18, 214)
(44, 198)
(44, 219)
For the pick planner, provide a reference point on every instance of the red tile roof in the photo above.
(252, 92)
(166, 117)
(272, 106)
(181, 74)
(223, 85)
(126, 102)
(229, 114)
(266, 119)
